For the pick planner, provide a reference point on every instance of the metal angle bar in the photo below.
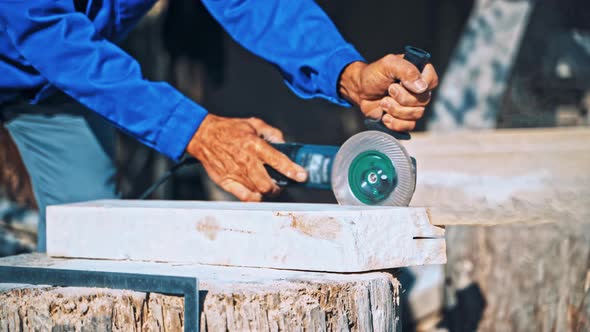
(170, 285)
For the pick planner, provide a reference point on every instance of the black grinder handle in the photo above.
(419, 58)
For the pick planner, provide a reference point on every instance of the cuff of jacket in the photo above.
(180, 128)
(334, 67)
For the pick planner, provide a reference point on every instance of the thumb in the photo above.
(398, 68)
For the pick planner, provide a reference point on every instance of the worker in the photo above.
(65, 84)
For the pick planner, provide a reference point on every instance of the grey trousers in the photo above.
(68, 151)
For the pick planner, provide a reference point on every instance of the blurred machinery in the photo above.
(550, 84)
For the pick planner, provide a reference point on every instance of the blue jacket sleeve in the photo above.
(67, 50)
(296, 36)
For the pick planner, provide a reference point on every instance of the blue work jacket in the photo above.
(47, 45)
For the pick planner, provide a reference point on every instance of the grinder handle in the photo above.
(419, 58)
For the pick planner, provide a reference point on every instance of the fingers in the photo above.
(398, 68)
(240, 191)
(393, 108)
(427, 81)
(234, 187)
(405, 98)
(250, 185)
(280, 162)
(375, 110)
(263, 182)
(430, 76)
(396, 118)
(396, 124)
(372, 109)
(266, 131)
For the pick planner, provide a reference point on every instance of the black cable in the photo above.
(187, 161)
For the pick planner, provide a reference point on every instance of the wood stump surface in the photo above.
(231, 299)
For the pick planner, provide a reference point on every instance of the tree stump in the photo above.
(231, 299)
(533, 276)
(517, 208)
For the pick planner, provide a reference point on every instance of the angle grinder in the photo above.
(370, 168)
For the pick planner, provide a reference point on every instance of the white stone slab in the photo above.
(312, 237)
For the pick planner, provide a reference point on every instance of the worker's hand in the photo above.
(372, 87)
(234, 152)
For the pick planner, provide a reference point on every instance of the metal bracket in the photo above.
(170, 285)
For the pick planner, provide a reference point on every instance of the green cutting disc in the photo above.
(372, 177)
(373, 168)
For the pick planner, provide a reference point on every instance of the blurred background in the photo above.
(503, 64)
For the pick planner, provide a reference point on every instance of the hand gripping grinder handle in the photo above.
(419, 58)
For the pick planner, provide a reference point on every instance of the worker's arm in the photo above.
(296, 36)
(67, 50)
(301, 40)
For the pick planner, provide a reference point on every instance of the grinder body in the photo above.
(316, 159)
(370, 168)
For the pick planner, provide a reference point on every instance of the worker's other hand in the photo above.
(374, 89)
(234, 152)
